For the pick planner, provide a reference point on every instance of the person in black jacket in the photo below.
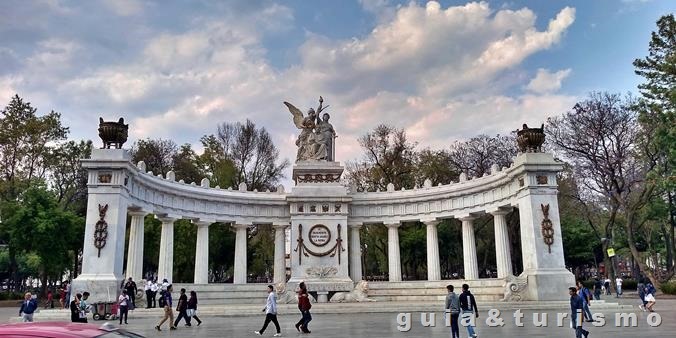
(75, 308)
(192, 307)
(469, 309)
(576, 306)
(182, 309)
(131, 288)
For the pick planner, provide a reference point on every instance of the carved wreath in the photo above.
(321, 271)
(303, 250)
(101, 229)
(547, 227)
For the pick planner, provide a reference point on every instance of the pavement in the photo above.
(395, 324)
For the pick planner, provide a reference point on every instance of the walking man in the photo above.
(28, 307)
(618, 285)
(153, 294)
(597, 288)
(270, 313)
(149, 293)
(606, 284)
(130, 286)
(469, 310)
(182, 309)
(168, 312)
(584, 293)
(453, 309)
(576, 308)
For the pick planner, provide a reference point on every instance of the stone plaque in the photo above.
(319, 235)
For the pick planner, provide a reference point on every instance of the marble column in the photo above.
(502, 254)
(393, 257)
(433, 267)
(355, 252)
(469, 248)
(279, 272)
(135, 249)
(202, 252)
(166, 264)
(240, 253)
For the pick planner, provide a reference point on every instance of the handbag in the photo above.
(190, 312)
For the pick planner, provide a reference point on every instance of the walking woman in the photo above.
(304, 307)
(123, 302)
(192, 307)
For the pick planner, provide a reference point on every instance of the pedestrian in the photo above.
(606, 283)
(153, 294)
(641, 290)
(304, 306)
(75, 313)
(597, 288)
(453, 309)
(618, 286)
(575, 308)
(469, 310)
(586, 296)
(270, 313)
(28, 307)
(131, 288)
(182, 308)
(67, 290)
(192, 307)
(168, 311)
(650, 296)
(123, 303)
(62, 296)
(50, 300)
(84, 307)
(149, 293)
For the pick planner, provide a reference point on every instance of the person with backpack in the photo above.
(469, 310)
(453, 309)
(304, 306)
(586, 297)
(168, 312)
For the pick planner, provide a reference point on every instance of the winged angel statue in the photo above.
(316, 139)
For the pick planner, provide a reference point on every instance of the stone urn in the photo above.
(530, 140)
(113, 133)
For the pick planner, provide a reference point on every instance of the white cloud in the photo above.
(546, 81)
(125, 7)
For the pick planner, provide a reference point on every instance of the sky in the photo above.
(442, 70)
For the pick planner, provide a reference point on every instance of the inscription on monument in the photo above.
(319, 235)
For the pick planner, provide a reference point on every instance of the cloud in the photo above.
(125, 7)
(443, 73)
(546, 81)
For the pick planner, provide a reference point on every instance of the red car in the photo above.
(63, 330)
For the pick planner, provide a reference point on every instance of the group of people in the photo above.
(270, 310)
(461, 305)
(186, 308)
(79, 308)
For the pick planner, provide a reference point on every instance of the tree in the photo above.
(252, 153)
(388, 158)
(184, 164)
(215, 163)
(67, 177)
(658, 113)
(602, 140)
(435, 166)
(158, 155)
(475, 156)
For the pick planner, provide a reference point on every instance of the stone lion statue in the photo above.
(359, 294)
(283, 295)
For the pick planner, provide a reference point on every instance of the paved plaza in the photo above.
(386, 325)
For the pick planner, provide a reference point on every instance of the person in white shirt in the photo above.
(149, 293)
(270, 313)
(123, 302)
(618, 284)
(153, 294)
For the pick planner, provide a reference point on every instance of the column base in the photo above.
(101, 287)
(543, 285)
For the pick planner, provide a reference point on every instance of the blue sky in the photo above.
(443, 70)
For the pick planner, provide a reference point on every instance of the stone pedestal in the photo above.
(319, 239)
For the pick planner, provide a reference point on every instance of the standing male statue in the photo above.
(315, 141)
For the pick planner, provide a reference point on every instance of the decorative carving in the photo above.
(313, 208)
(319, 235)
(521, 182)
(321, 271)
(318, 178)
(325, 208)
(541, 179)
(284, 296)
(303, 250)
(113, 133)
(105, 177)
(315, 141)
(101, 229)
(300, 208)
(359, 294)
(547, 227)
(515, 288)
(337, 208)
(530, 140)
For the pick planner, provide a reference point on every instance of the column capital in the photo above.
(355, 225)
(203, 222)
(238, 226)
(466, 217)
(500, 211)
(167, 218)
(137, 213)
(431, 222)
(392, 225)
(280, 226)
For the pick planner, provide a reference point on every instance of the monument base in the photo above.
(101, 287)
(322, 286)
(549, 285)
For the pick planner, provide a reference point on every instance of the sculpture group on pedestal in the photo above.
(315, 141)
